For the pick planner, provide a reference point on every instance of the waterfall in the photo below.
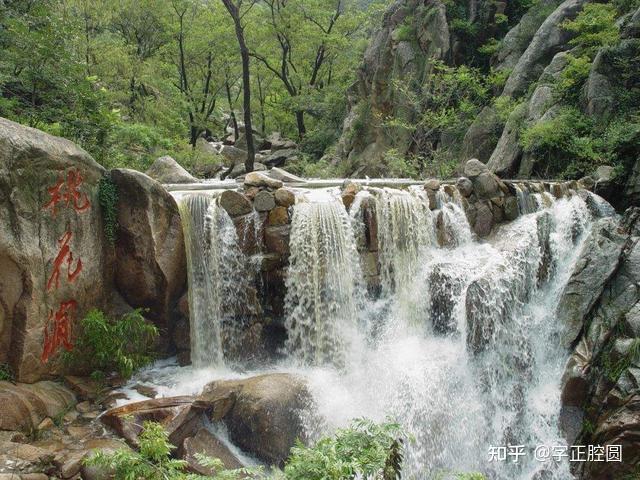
(460, 346)
(215, 273)
(324, 287)
(479, 362)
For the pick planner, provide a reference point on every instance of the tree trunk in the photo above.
(302, 129)
(246, 83)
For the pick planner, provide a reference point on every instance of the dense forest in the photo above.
(536, 88)
(131, 80)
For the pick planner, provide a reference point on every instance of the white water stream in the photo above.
(461, 347)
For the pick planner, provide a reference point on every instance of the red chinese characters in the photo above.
(64, 256)
(57, 331)
(67, 191)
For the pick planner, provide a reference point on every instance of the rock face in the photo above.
(548, 40)
(167, 170)
(597, 262)
(151, 265)
(388, 58)
(262, 413)
(54, 261)
(23, 407)
(601, 380)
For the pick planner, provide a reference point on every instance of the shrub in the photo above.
(595, 27)
(365, 449)
(5, 373)
(573, 77)
(104, 346)
(154, 462)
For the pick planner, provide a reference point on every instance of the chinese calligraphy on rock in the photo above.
(57, 331)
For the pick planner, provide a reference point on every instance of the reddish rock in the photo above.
(278, 216)
(284, 197)
(276, 239)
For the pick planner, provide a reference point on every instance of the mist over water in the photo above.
(459, 345)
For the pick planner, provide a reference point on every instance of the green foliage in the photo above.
(470, 476)
(108, 200)
(401, 166)
(154, 462)
(363, 449)
(594, 27)
(5, 373)
(564, 137)
(104, 346)
(573, 77)
(614, 369)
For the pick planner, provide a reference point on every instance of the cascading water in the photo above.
(215, 275)
(460, 346)
(324, 288)
(479, 363)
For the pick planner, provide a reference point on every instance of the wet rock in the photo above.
(511, 209)
(445, 286)
(181, 417)
(347, 200)
(25, 406)
(167, 170)
(432, 184)
(257, 179)
(264, 201)
(276, 239)
(236, 204)
(151, 264)
(465, 186)
(598, 260)
(205, 443)
(46, 424)
(263, 414)
(486, 185)
(483, 219)
(284, 197)
(278, 216)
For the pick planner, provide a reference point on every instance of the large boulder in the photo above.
(167, 170)
(262, 413)
(24, 406)
(598, 260)
(53, 253)
(151, 265)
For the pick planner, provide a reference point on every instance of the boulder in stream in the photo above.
(263, 413)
